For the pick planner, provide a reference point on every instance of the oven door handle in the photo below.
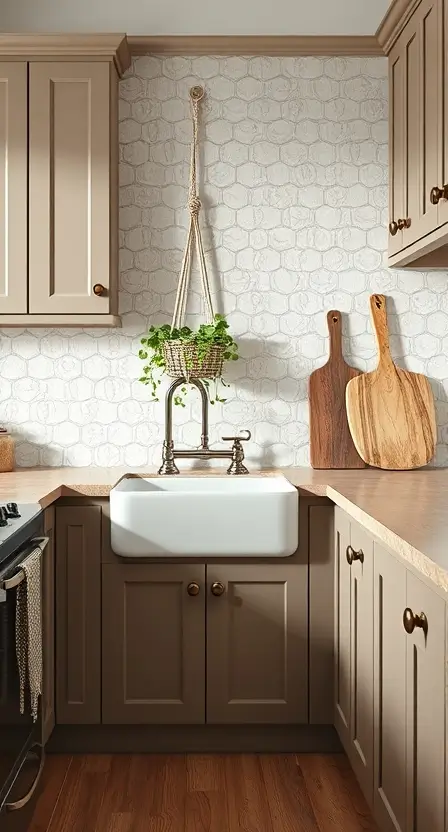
(36, 752)
(11, 583)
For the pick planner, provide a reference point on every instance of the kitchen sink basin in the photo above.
(195, 516)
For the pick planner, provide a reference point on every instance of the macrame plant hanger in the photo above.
(181, 359)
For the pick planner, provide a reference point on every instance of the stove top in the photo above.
(16, 525)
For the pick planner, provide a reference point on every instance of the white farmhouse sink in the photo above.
(204, 516)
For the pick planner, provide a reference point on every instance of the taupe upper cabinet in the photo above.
(418, 128)
(59, 141)
(13, 187)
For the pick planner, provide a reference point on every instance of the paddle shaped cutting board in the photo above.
(391, 411)
(331, 445)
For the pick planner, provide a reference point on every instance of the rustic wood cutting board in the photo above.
(391, 411)
(331, 444)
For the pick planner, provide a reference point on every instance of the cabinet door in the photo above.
(342, 657)
(420, 42)
(443, 113)
(69, 187)
(48, 626)
(389, 799)
(257, 643)
(361, 648)
(78, 614)
(13, 188)
(397, 170)
(415, 125)
(153, 644)
(425, 711)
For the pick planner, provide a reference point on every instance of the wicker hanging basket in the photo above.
(182, 359)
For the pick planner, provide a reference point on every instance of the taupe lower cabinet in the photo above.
(153, 643)
(257, 643)
(393, 665)
(48, 626)
(354, 646)
(78, 614)
(157, 620)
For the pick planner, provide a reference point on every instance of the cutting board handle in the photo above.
(334, 322)
(379, 317)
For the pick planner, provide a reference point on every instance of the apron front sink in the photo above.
(201, 516)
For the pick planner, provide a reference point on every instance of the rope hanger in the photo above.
(194, 232)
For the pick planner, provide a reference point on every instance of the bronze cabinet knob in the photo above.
(393, 228)
(403, 224)
(411, 620)
(99, 289)
(193, 588)
(438, 193)
(351, 555)
(217, 588)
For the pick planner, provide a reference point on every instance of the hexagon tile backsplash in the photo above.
(294, 190)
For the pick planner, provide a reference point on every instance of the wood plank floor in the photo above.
(200, 793)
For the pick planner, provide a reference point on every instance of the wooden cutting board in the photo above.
(391, 411)
(331, 444)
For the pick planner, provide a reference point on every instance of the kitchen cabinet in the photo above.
(223, 643)
(59, 179)
(48, 626)
(389, 799)
(78, 614)
(410, 700)
(257, 643)
(153, 664)
(354, 646)
(418, 132)
(13, 187)
(390, 697)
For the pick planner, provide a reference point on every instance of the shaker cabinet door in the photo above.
(153, 643)
(425, 709)
(78, 614)
(69, 187)
(361, 638)
(257, 643)
(389, 798)
(13, 188)
(342, 626)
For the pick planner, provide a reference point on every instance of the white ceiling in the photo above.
(195, 17)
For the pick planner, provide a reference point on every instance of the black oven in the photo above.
(20, 737)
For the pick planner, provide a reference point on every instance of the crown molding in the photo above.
(272, 45)
(394, 21)
(112, 47)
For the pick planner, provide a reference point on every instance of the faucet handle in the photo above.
(238, 438)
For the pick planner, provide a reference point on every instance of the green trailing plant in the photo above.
(206, 337)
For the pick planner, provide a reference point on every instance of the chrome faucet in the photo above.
(170, 453)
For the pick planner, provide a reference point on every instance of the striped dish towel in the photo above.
(29, 631)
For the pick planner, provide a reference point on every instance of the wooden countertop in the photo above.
(407, 510)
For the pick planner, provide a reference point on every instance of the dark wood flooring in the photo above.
(200, 793)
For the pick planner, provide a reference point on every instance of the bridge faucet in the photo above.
(170, 453)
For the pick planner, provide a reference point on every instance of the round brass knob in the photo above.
(351, 555)
(193, 588)
(393, 228)
(99, 289)
(217, 588)
(411, 620)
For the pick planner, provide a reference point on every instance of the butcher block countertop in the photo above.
(407, 511)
